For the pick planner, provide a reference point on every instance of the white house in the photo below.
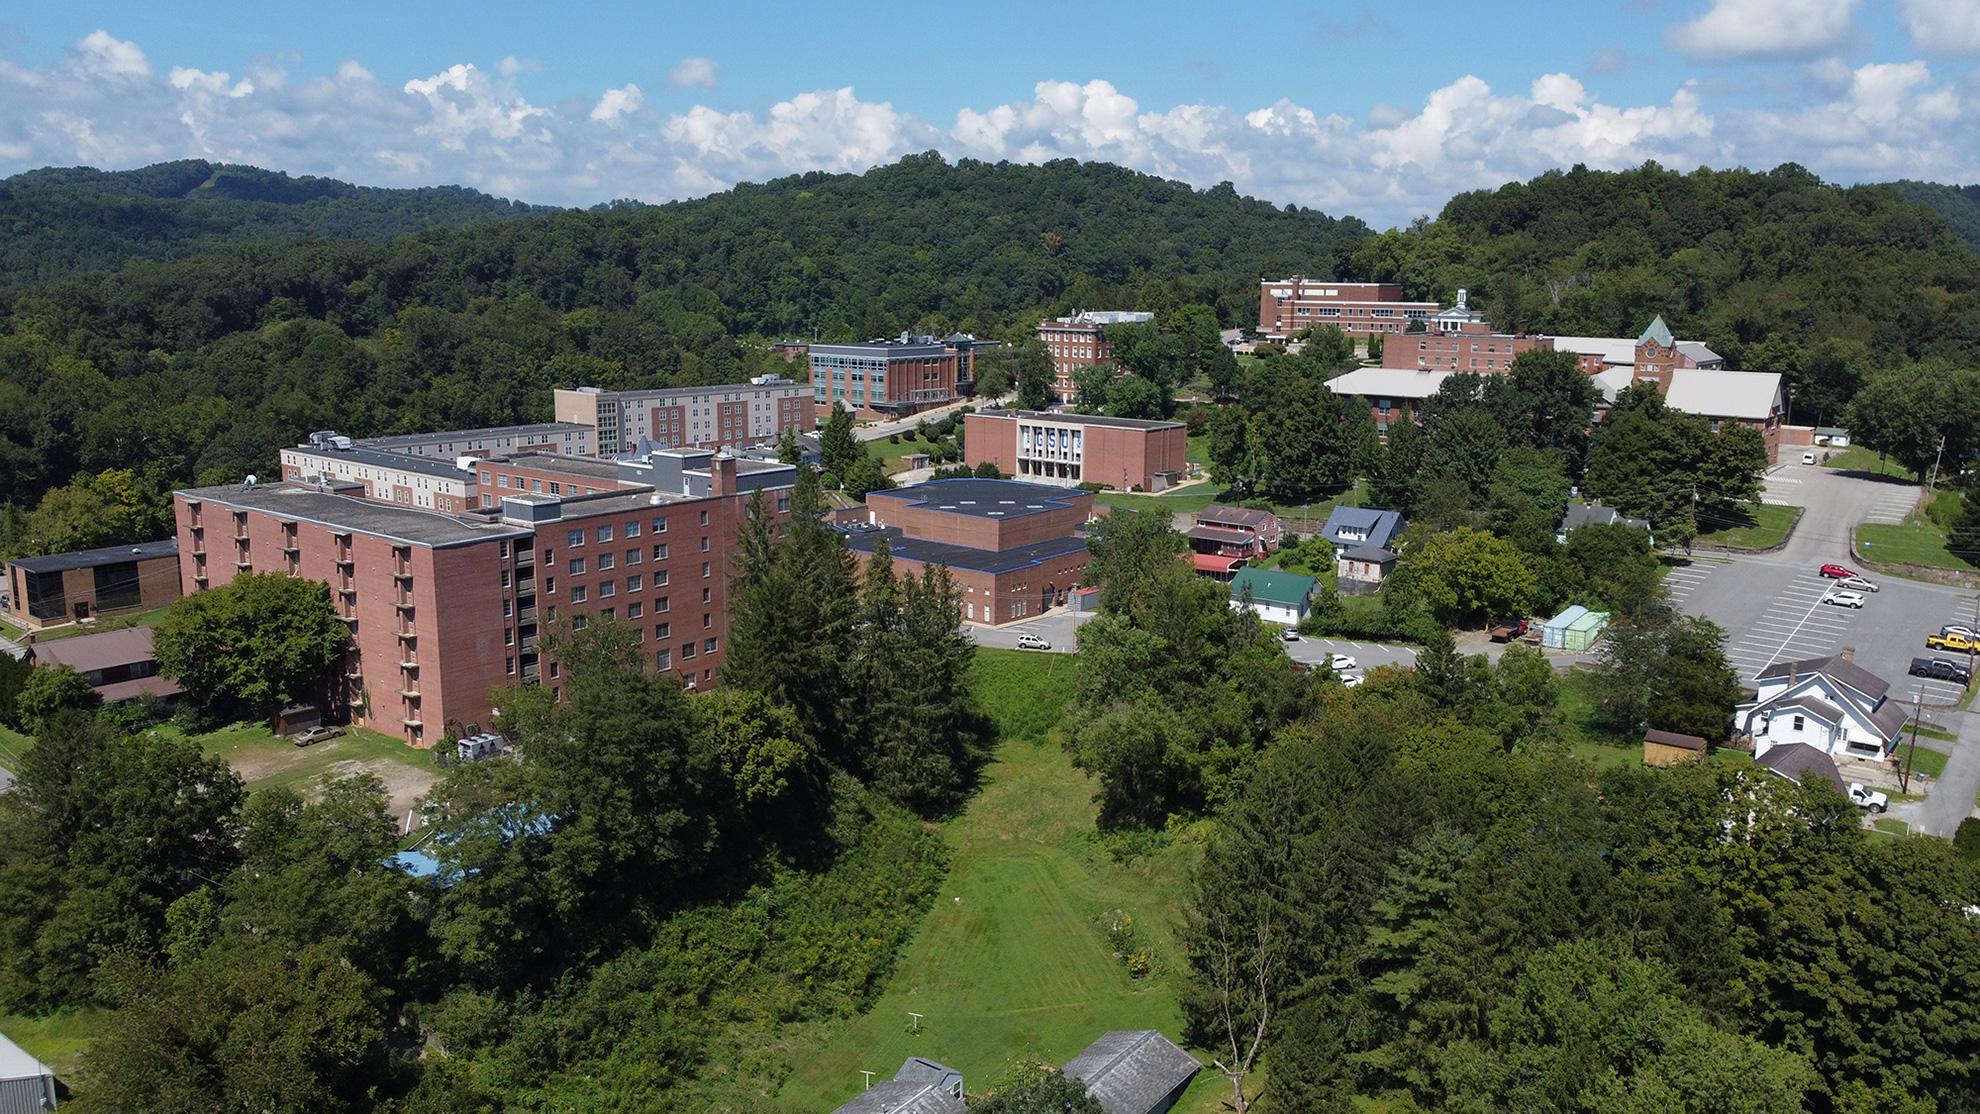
(1831, 704)
(1274, 596)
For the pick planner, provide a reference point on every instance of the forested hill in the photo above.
(63, 220)
(1960, 205)
(1766, 266)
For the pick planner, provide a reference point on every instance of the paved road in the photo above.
(1951, 798)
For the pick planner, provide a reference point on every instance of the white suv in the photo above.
(1032, 642)
(1844, 599)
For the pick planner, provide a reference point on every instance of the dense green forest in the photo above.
(64, 220)
(1959, 205)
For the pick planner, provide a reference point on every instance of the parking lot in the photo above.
(1366, 655)
(1771, 604)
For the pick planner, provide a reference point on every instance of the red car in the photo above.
(1836, 572)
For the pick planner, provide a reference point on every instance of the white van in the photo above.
(1808, 457)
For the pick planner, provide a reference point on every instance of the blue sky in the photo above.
(1379, 111)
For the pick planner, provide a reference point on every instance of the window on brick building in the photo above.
(632, 556)
(707, 596)
(577, 593)
(604, 533)
(660, 578)
(574, 538)
(576, 566)
(606, 589)
(659, 525)
(632, 529)
(663, 659)
(635, 609)
(635, 582)
(660, 606)
(660, 552)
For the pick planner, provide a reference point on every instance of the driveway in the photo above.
(1951, 798)
(1059, 627)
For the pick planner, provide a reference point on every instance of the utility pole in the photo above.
(1933, 481)
(1904, 779)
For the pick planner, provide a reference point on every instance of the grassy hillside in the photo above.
(63, 220)
(1013, 962)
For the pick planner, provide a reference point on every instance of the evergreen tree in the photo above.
(792, 614)
(1397, 479)
(838, 450)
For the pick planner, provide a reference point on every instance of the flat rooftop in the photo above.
(93, 558)
(379, 458)
(586, 466)
(1079, 419)
(686, 392)
(980, 498)
(309, 503)
(534, 429)
(863, 538)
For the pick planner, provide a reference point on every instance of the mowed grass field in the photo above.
(1765, 525)
(1010, 963)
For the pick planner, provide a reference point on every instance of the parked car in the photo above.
(1032, 642)
(1868, 798)
(1844, 599)
(1352, 679)
(1341, 663)
(1955, 628)
(1289, 635)
(1856, 584)
(1944, 669)
(1957, 643)
(316, 735)
(1836, 572)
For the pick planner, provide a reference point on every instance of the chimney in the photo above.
(1847, 653)
(722, 474)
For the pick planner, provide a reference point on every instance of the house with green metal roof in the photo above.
(1273, 595)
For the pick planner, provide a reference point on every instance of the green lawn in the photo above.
(1302, 517)
(13, 744)
(1765, 525)
(1857, 458)
(1917, 541)
(1927, 761)
(1885, 826)
(58, 1039)
(1010, 963)
(1199, 449)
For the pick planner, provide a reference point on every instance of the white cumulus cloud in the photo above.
(695, 72)
(1942, 26)
(1765, 28)
(104, 55)
(615, 103)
